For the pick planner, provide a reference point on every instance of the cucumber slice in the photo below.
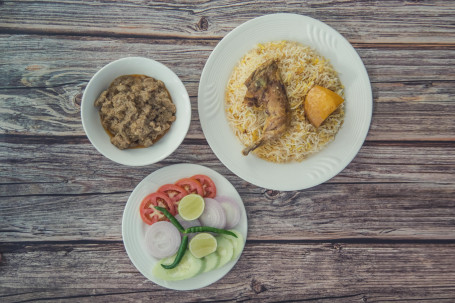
(237, 243)
(211, 261)
(188, 267)
(202, 269)
(225, 250)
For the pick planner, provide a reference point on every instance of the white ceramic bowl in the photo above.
(137, 156)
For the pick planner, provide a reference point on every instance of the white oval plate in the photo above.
(319, 167)
(133, 229)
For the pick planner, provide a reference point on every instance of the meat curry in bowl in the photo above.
(135, 102)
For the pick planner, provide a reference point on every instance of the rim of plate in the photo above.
(133, 229)
(319, 167)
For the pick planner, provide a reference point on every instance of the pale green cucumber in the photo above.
(211, 261)
(225, 250)
(188, 267)
(237, 243)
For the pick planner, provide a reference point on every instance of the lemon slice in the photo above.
(191, 207)
(202, 245)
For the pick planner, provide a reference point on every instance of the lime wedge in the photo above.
(202, 245)
(191, 207)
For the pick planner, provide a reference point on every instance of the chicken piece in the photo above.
(265, 89)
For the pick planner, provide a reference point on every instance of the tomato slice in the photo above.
(149, 214)
(174, 192)
(192, 186)
(208, 186)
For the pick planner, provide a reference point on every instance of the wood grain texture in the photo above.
(44, 162)
(327, 212)
(379, 195)
(382, 230)
(365, 21)
(42, 97)
(27, 66)
(266, 272)
(426, 111)
(380, 211)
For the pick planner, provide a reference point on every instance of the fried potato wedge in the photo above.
(320, 103)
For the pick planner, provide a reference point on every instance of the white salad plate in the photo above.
(319, 167)
(133, 228)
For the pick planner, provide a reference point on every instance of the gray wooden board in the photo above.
(411, 89)
(366, 21)
(380, 231)
(266, 272)
(379, 195)
(47, 161)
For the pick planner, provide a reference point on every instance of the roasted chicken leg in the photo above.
(265, 89)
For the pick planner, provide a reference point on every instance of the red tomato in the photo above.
(149, 214)
(208, 186)
(174, 192)
(191, 186)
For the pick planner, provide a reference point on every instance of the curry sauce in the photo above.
(136, 111)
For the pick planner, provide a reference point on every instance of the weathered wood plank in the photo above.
(42, 97)
(72, 60)
(364, 21)
(90, 206)
(266, 272)
(391, 210)
(26, 65)
(425, 111)
(36, 168)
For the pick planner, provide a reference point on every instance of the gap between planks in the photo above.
(8, 247)
(182, 37)
(18, 138)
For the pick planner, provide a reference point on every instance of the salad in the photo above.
(191, 229)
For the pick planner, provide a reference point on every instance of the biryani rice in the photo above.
(301, 68)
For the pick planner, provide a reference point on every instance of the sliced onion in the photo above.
(162, 239)
(213, 214)
(231, 210)
(188, 224)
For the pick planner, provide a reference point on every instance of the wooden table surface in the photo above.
(382, 230)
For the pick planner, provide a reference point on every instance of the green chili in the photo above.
(197, 229)
(171, 218)
(180, 253)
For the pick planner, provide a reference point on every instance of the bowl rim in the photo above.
(179, 92)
